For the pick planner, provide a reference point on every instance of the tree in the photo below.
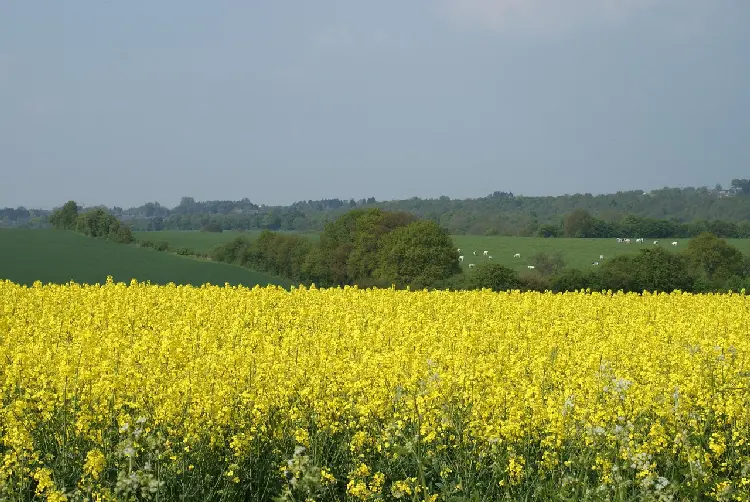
(741, 186)
(349, 246)
(579, 223)
(548, 264)
(657, 269)
(419, 254)
(66, 217)
(571, 279)
(493, 276)
(714, 258)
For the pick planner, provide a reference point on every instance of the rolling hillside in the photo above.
(59, 257)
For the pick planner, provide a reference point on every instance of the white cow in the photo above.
(517, 255)
(595, 263)
(627, 241)
(471, 265)
(461, 258)
(458, 250)
(530, 267)
(475, 253)
(485, 253)
(601, 256)
(639, 240)
(489, 257)
(619, 240)
(656, 243)
(674, 243)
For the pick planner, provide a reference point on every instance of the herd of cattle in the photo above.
(639, 240)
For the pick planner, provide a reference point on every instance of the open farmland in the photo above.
(200, 242)
(230, 394)
(578, 253)
(58, 257)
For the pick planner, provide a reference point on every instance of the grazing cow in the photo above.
(485, 253)
(517, 255)
(530, 267)
(656, 243)
(595, 263)
(475, 253)
(639, 240)
(459, 250)
(461, 258)
(601, 256)
(489, 257)
(619, 240)
(471, 265)
(627, 241)
(674, 243)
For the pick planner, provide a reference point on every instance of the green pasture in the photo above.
(577, 253)
(200, 242)
(52, 256)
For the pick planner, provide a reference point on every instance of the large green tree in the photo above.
(714, 258)
(66, 217)
(493, 276)
(418, 254)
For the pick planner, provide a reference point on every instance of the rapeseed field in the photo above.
(142, 392)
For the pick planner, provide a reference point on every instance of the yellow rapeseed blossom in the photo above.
(143, 389)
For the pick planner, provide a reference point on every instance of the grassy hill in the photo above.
(59, 257)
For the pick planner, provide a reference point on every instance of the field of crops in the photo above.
(180, 393)
(58, 257)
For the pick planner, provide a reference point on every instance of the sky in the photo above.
(119, 103)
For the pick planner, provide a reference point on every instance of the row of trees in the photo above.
(93, 223)
(670, 212)
(371, 247)
(368, 247)
(580, 223)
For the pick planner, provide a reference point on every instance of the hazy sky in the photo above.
(123, 102)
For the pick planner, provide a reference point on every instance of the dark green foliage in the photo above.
(549, 230)
(418, 254)
(534, 281)
(571, 279)
(161, 246)
(212, 227)
(493, 276)
(94, 223)
(652, 269)
(548, 264)
(660, 270)
(231, 252)
(714, 258)
(65, 217)
(284, 255)
(350, 245)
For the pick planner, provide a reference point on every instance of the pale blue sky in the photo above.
(123, 102)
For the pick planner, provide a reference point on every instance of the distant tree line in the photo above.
(93, 223)
(670, 212)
